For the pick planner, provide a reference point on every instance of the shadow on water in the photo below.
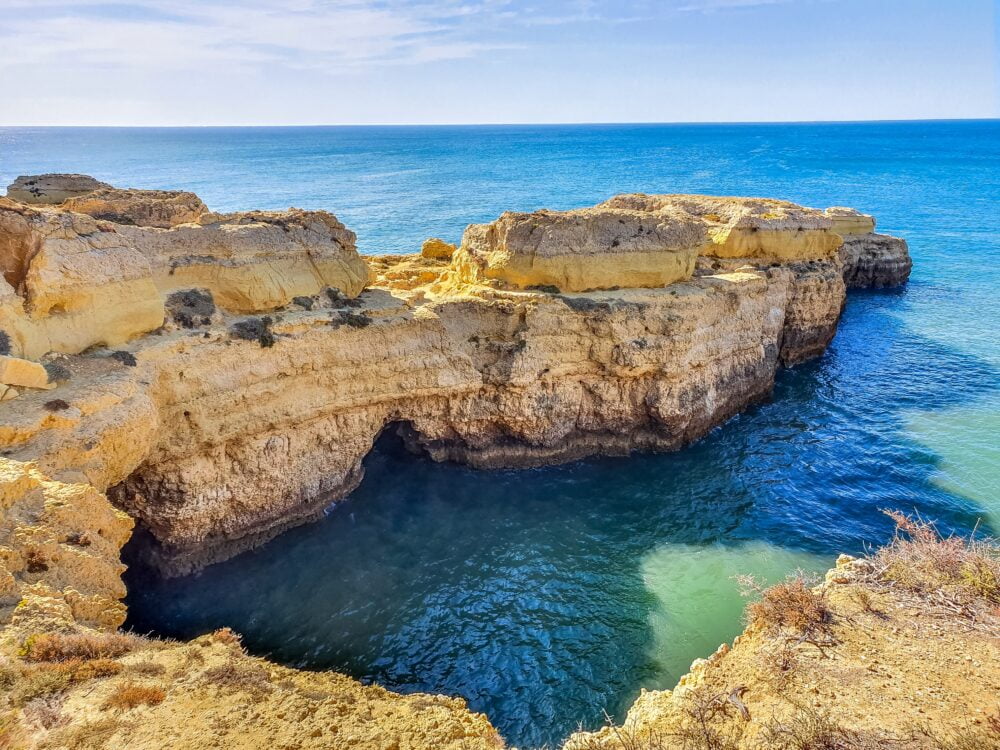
(545, 596)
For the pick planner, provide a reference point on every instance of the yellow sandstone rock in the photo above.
(748, 227)
(216, 439)
(576, 251)
(437, 249)
(21, 372)
(145, 208)
(72, 282)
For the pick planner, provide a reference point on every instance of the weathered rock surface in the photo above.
(936, 676)
(747, 227)
(144, 208)
(72, 281)
(223, 428)
(576, 251)
(52, 188)
(60, 542)
(437, 249)
(870, 260)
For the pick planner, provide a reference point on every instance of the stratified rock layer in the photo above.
(576, 251)
(72, 281)
(145, 208)
(870, 260)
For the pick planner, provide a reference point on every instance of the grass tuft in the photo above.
(56, 647)
(960, 573)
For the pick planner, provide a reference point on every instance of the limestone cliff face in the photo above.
(218, 440)
(637, 325)
(870, 260)
(72, 281)
(575, 251)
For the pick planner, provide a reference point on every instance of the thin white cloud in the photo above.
(186, 35)
(711, 6)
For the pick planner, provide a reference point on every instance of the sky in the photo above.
(306, 62)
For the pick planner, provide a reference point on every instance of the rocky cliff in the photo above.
(221, 379)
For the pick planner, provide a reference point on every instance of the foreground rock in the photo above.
(248, 373)
(803, 673)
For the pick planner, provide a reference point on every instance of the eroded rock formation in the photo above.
(248, 369)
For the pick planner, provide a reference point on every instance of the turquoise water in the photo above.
(545, 596)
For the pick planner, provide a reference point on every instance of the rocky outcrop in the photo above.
(51, 189)
(746, 227)
(576, 251)
(544, 338)
(72, 281)
(253, 425)
(870, 260)
(144, 208)
(802, 676)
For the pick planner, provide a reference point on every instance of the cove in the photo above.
(544, 597)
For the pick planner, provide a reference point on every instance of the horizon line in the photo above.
(521, 124)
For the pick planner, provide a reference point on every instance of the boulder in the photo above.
(52, 188)
(437, 249)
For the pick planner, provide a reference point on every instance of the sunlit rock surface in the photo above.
(222, 379)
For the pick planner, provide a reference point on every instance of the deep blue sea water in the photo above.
(546, 596)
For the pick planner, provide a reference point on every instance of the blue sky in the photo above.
(209, 62)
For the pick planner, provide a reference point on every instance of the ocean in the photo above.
(547, 596)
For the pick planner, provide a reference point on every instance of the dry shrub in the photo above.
(790, 605)
(60, 647)
(12, 734)
(232, 676)
(711, 721)
(92, 669)
(129, 695)
(33, 681)
(89, 736)
(625, 737)
(814, 729)
(954, 570)
(984, 736)
(776, 664)
(147, 668)
(227, 636)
